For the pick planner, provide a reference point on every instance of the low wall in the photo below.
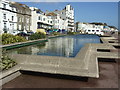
(27, 43)
(21, 44)
(10, 74)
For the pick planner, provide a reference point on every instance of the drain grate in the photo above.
(107, 60)
(118, 47)
(103, 50)
(111, 41)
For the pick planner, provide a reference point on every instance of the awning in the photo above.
(55, 30)
(49, 30)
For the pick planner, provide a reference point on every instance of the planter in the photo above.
(9, 74)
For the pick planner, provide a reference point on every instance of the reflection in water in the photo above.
(67, 46)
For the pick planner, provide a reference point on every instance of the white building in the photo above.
(66, 14)
(94, 31)
(8, 17)
(110, 29)
(58, 23)
(40, 20)
(89, 28)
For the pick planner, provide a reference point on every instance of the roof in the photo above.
(51, 14)
(16, 4)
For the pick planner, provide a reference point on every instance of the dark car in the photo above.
(22, 34)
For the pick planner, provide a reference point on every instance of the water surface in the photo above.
(67, 46)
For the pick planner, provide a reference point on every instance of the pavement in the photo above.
(108, 79)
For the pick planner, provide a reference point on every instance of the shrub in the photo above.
(9, 38)
(36, 36)
(56, 33)
(77, 32)
(5, 36)
(6, 62)
(71, 33)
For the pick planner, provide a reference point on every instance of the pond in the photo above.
(66, 46)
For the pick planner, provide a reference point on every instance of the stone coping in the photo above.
(2, 46)
(9, 71)
(77, 66)
(30, 41)
(112, 39)
(85, 64)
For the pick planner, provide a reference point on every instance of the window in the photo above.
(50, 21)
(4, 6)
(12, 18)
(39, 18)
(12, 26)
(43, 19)
(19, 19)
(5, 25)
(65, 8)
(97, 30)
(19, 27)
(4, 15)
(89, 30)
(12, 9)
(37, 12)
(71, 8)
(93, 30)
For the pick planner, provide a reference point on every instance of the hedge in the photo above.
(9, 38)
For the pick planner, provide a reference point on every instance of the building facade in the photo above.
(89, 28)
(58, 23)
(67, 16)
(8, 17)
(40, 20)
(15, 17)
(23, 17)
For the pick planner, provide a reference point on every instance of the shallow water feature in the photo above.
(66, 46)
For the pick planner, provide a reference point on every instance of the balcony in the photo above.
(44, 26)
(71, 25)
(70, 21)
(70, 18)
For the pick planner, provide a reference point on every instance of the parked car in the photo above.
(22, 34)
(30, 33)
